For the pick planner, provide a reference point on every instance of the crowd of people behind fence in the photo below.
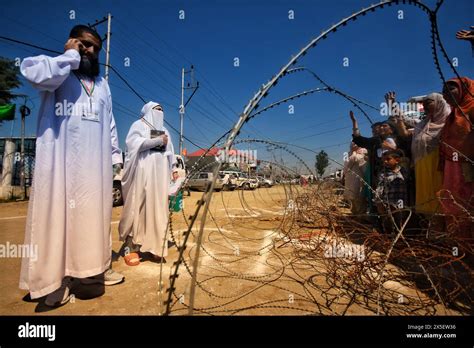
(420, 166)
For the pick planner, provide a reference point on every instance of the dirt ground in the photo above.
(242, 268)
(137, 295)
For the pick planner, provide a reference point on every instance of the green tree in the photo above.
(9, 79)
(322, 162)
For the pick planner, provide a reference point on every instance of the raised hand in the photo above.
(355, 126)
(466, 34)
(390, 97)
(351, 114)
(74, 44)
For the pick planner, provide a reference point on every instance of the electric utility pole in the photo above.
(193, 86)
(107, 37)
(24, 111)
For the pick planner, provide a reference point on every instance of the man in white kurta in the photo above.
(71, 199)
(145, 183)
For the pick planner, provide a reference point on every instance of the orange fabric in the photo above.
(456, 200)
(457, 130)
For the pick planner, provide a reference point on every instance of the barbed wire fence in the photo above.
(299, 249)
(295, 249)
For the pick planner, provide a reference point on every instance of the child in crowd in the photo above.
(392, 192)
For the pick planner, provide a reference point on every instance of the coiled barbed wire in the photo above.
(416, 272)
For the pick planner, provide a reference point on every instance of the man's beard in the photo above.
(89, 67)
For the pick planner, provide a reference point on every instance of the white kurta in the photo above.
(145, 186)
(354, 169)
(71, 198)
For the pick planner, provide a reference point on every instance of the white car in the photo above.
(229, 181)
(263, 182)
(241, 180)
(201, 180)
(246, 183)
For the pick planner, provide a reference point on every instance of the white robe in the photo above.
(71, 198)
(145, 186)
(354, 170)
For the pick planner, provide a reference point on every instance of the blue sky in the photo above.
(385, 53)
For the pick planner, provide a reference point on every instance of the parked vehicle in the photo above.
(335, 176)
(241, 180)
(229, 181)
(263, 182)
(199, 181)
(246, 183)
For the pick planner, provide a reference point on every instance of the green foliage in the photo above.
(9, 79)
(322, 162)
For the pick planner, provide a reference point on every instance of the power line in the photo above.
(195, 106)
(161, 102)
(155, 61)
(23, 24)
(182, 56)
(136, 63)
(111, 67)
(126, 111)
(30, 45)
(146, 96)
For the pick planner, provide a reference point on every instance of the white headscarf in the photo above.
(427, 133)
(153, 118)
(139, 132)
